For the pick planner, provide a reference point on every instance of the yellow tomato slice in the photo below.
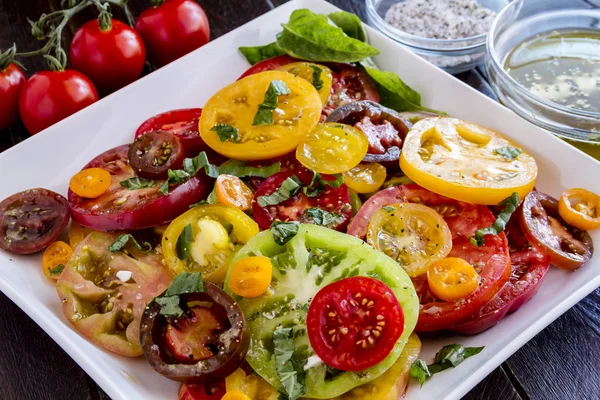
(232, 191)
(297, 114)
(466, 162)
(332, 148)
(365, 178)
(55, 255)
(412, 234)
(580, 208)
(452, 278)
(251, 276)
(90, 182)
(318, 75)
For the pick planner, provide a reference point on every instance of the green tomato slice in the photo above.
(314, 258)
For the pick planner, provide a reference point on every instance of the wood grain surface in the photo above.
(562, 362)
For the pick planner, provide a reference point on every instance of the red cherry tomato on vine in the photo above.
(111, 58)
(50, 96)
(12, 80)
(172, 29)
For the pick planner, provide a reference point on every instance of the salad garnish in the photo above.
(510, 205)
(227, 132)
(509, 152)
(136, 183)
(288, 188)
(122, 241)
(183, 283)
(264, 115)
(283, 232)
(290, 369)
(450, 356)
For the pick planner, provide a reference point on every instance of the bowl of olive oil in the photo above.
(544, 63)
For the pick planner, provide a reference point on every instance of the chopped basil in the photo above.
(264, 115)
(241, 170)
(183, 283)
(184, 243)
(317, 184)
(212, 197)
(137, 183)
(322, 217)
(449, 356)
(256, 54)
(227, 132)
(169, 306)
(350, 24)
(389, 209)
(283, 232)
(509, 152)
(191, 166)
(201, 202)
(511, 203)
(289, 369)
(122, 241)
(317, 82)
(57, 270)
(288, 188)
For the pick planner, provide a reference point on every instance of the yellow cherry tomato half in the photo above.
(236, 105)
(232, 191)
(452, 278)
(235, 395)
(251, 276)
(466, 162)
(412, 234)
(332, 148)
(55, 255)
(365, 178)
(580, 208)
(318, 75)
(90, 182)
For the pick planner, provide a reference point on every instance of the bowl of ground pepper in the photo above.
(449, 33)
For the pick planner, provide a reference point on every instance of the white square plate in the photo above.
(50, 158)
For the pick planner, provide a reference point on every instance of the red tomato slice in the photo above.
(121, 209)
(182, 123)
(268, 65)
(490, 260)
(287, 162)
(208, 391)
(354, 323)
(332, 200)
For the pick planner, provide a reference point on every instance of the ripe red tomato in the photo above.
(268, 65)
(12, 80)
(50, 96)
(172, 30)
(207, 391)
(111, 58)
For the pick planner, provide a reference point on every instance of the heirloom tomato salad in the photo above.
(291, 238)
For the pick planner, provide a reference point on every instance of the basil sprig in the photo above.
(289, 369)
(191, 166)
(255, 54)
(288, 188)
(449, 356)
(264, 115)
(511, 203)
(183, 283)
(122, 241)
(283, 232)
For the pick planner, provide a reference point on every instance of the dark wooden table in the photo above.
(562, 362)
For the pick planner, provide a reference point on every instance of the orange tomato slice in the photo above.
(90, 182)
(231, 191)
(580, 208)
(55, 255)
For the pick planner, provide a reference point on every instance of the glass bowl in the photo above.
(452, 55)
(522, 20)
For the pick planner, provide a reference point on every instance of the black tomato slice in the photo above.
(354, 323)
(154, 153)
(567, 246)
(207, 344)
(349, 84)
(384, 128)
(334, 201)
(31, 220)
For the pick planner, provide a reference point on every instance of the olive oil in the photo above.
(560, 66)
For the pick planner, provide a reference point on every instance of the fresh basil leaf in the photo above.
(283, 232)
(226, 132)
(192, 165)
(186, 283)
(137, 183)
(317, 82)
(322, 217)
(317, 184)
(350, 24)
(255, 54)
(169, 306)
(419, 371)
(241, 170)
(164, 187)
(264, 115)
(511, 203)
(309, 36)
(395, 93)
(122, 241)
(201, 202)
(184, 243)
(174, 177)
(509, 152)
(288, 188)
(212, 197)
(290, 372)
(57, 270)
(389, 209)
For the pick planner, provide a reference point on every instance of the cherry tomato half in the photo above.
(12, 79)
(232, 191)
(58, 253)
(251, 276)
(580, 208)
(31, 220)
(90, 182)
(313, 73)
(207, 391)
(153, 154)
(354, 323)
(452, 278)
(365, 178)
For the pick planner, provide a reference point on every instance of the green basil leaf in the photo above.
(322, 217)
(201, 202)
(290, 372)
(309, 36)
(241, 170)
(184, 243)
(419, 371)
(450, 356)
(122, 241)
(288, 188)
(264, 115)
(192, 165)
(350, 24)
(317, 184)
(511, 203)
(164, 187)
(169, 306)
(255, 54)
(57, 270)
(186, 283)
(212, 197)
(317, 82)
(174, 177)
(226, 132)
(509, 152)
(283, 232)
(137, 183)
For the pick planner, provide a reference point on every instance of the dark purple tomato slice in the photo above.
(300, 207)
(31, 220)
(154, 153)
(349, 84)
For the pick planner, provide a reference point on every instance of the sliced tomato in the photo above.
(331, 200)
(287, 162)
(269, 65)
(182, 123)
(207, 391)
(153, 154)
(349, 84)
(120, 208)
